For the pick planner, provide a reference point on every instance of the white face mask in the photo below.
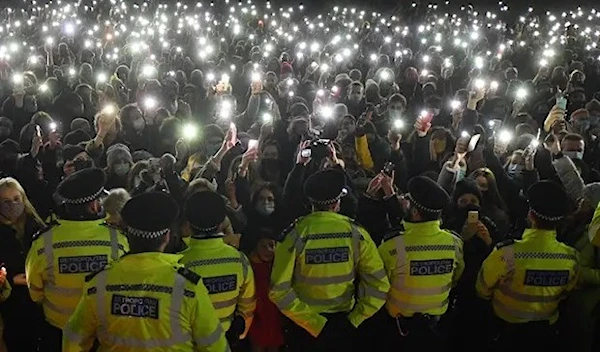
(574, 155)
(266, 208)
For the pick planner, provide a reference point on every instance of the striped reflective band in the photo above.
(319, 281)
(542, 255)
(344, 298)
(35, 288)
(528, 298)
(147, 288)
(211, 338)
(214, 261)
(67, 291)
(57, 309)
(113, 243)
(131, 342)
(228, 318)
(370, 291)
(521, 314)
(282, 286)
(430, 247)
(72, 336)
(247, 300)
(418, 307)
(377, 275)
(49, 253)
(328, 236)
(225, 304)
(177, 333)
(286, 300)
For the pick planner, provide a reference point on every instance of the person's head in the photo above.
(265, 199)
(356, 92)
(265, 245)
(325, 190)
(515, 165)
(76, 159)
(205, 213)
(347, 126)
(577, 99)
(118, 160)
(441, 141)
(6, 128)
(44, 120)
(397, 104)
(298, 128)
(114, 203)
(148, 218)
(486, 182)
(81, 192)
(81, 124)
(213, 137)
(548, 205)
(355, 75)
(425, 200)
(132, 119)
(14, 204)
(573, 146)
(466, 195)
(511, 74)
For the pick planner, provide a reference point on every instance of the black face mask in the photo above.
(81, 164)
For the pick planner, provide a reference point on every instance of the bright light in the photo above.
(543, 62)
(150, 103)
(101, 78)
(324, 68)
(148, 71)
(18, 79)
(505, 136)
(535, 143)
(385, 75)
(210, 77)
(320, 92)
(289, 82)
(479, 83)
(398, 124)
(49, 40)
(53, 126)
(256, 77)
(33, 59)
(69, 29)
(109, 110)
(426, 58)
(72, 72)
(521, 93)
(464, 134)
(225, 78)
(327, 112)
(494, 85)
(43, 88)
(479, 62)
(455, 104)
(373, 57)
(190, 131)
(267, 117)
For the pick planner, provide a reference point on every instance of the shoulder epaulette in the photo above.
(505, 243)
(48, 227)
(288, 230)
(92, 275)
(392, 234)
(189, 275)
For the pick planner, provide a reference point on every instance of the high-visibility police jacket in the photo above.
(60, 259)
(228, 276)
(526, 279)
(145, 302)
(315, 267)
(594, 228)
(423, 264)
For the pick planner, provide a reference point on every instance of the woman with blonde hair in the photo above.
(19, 221)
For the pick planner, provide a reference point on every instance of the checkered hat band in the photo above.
(207, 230)
(421, 207)
(544, 217)
(146, 234)
(85, 200)
(343, 193)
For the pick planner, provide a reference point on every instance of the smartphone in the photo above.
(473, 217)
(233, 129)
(473, 143)
(306, 153)
(253, 144)
(561, 102)
(425, 120)
(388, 168)
(38, 131)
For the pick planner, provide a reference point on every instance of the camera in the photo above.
(317, 149)
(388, 168)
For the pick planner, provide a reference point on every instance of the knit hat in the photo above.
(426, 195)
(77, 136)
(213, 130)
(71, 151)
(80, 123)
(140, 155)
(205, 211)
(591, 192)
(117, 152)
(466, 186)
(548, 201)
(149, 215)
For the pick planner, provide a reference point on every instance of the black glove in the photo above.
(238, 325)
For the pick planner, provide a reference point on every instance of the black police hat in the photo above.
(82, 186)
(205, 211)
(548, 200)
(149, 215)
(425, 194)
(325, 187)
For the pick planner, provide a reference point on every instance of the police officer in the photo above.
(64, 254)
(423, 264)
(225, 271)
(146, 301)
(526, 279)
(315, 266)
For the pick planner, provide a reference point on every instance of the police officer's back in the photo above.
(315, 268)
(423, 264)
(146, 301)
(526, 279)
(75, 246)
(225, 271)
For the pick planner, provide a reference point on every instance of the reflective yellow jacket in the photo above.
(228, 276)
(423, 264)
(59, 260)
(145, 302)
(594, 228)
(315, 267)
(526, 279)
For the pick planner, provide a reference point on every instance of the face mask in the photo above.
(266, 208)
(121, 169)
(514, 170)
(11, 210)
(81, 164)
(138, 124)
(573, 155)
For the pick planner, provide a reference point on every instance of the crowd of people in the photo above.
(263, 177)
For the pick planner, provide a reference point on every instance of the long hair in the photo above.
(11, 183)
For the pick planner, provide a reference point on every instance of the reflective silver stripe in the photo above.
(356, 243)
(225, 304)
(457, 248)
(35, 288)
(282, 286)
(520, 314)
(377, 275)
(68, 291)
(330, 280)
(57, 309)
(175, 309)
(211, 338)
(592, 231)
(72, 336)
(214, 261)
(284, 302)
(298, 242)
(523, 297)
(424, 291)
(100, 299)
(245, 265)
(399, 279)
(119, 341)
(247, 300)
(49, 253)
(418, 307)
(228, 318)
(373, 292)
(344, 298)
(114, 244)
(508, 257)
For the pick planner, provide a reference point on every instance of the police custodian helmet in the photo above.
(325, 187)
(548, 201)
(149, 215)
(205, 211)
(426, 195)
(83, 186)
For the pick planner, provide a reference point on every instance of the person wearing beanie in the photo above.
(423, 264)
(76, 159)
(118, 164)
(327, 248)
(146, 300)
(74, 246)
(113, 204)
(81, 124)
(526, 279)
(226, 272)
(77, 136)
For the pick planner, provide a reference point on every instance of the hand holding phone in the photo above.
(473, 217)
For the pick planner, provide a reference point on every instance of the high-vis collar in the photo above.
(206, 242)
(153, 258)
(424, 228)
(539, 234)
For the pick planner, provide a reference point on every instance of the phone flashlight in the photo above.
(53, 126)
(464, 134)
(479, 83)
(190, 131)
(455, 104)
(398, 124)
(256, 77)
(267, 117)
(252, 144)
(494, 85)
(505, 136)
(327, 112)
(521, 93)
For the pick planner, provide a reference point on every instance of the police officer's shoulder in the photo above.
(89, 277)
(288, 229)
(507, 242)
(188, 275)
(454, 234)
(49, 226)
(391, 234)
(355, 223)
